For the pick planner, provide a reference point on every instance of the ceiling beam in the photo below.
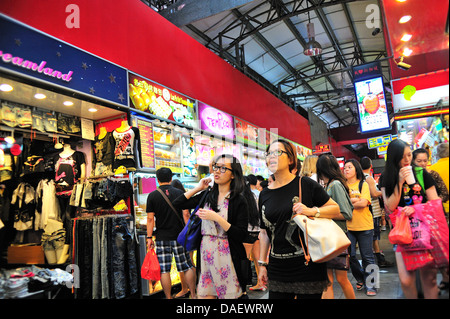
(185, 12)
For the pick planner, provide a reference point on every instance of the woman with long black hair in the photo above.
(397, 192)
(221, 258)
(330, 173)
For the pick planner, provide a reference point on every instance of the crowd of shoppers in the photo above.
(247, 221)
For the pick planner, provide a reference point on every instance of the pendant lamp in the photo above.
(313, 47)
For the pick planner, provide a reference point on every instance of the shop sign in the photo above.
(302, 151)
(366, 71)
(377, 141)
(250, 135)
(29, 52)
(322, 148)
(153, 98)
(215, 121)
(420, 91)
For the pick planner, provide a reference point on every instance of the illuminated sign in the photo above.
(322, 148)
(424, 90)
(375, 142)
(25, 51)
(158, 100)
(30, 65)
(215, 121)
(372, 109)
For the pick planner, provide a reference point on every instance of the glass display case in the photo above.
(167, 147)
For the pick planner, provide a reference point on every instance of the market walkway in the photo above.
(389, 282)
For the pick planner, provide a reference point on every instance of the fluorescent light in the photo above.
(92, 109)
(407, 52)
(40, 96)
(405, 19)
(6, 87)
(68, 103)
(406, 37)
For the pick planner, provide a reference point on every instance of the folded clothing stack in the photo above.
(20, 282)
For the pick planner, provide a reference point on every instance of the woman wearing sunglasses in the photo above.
(221, 257)
(286, 272)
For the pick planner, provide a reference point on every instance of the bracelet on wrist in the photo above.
(262, 263)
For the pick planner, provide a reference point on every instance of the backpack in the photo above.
(361, 182)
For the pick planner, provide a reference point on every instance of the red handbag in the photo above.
(401, 233)
(150, 268)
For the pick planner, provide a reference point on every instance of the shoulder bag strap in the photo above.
(305, 251)
(170, 204)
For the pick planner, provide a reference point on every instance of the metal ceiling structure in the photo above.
(265, 40)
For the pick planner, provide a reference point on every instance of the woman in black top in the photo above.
(221, 259)
(286, 272)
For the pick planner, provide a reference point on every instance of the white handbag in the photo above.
(325, 240)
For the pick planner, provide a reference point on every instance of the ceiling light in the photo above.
(407, 52)
(406, 37)
(6, 87)
(313, 47)
(40, 96)
(405, 19)
(92, 109)
(68, 103)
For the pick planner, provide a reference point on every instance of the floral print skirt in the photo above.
(218, 276)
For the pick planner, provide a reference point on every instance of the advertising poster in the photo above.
(373, 114)
(189, 159)
(147, 147)
(158, 100)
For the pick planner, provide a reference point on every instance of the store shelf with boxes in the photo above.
(66, 154)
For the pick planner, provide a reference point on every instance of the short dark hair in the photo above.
(164, 175)
(365, 162)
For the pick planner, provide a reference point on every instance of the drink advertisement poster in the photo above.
(372, 109)
(158, 100)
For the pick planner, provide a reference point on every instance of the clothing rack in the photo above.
(108, 268)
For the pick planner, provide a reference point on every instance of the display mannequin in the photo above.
(103, 147)
(123, 127)
(126, 139)
(102, 132)
(81, 166)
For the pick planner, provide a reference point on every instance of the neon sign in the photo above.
(216, 121)
(33, 66)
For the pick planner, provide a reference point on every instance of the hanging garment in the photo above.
(24, 203)
(124, 147)
(67, 172)
(47, 204)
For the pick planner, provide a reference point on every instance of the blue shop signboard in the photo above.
(26, 51)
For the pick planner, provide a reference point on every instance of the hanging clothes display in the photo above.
(124, 150)
(104, 250)
(103, 157)
(47, 206)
